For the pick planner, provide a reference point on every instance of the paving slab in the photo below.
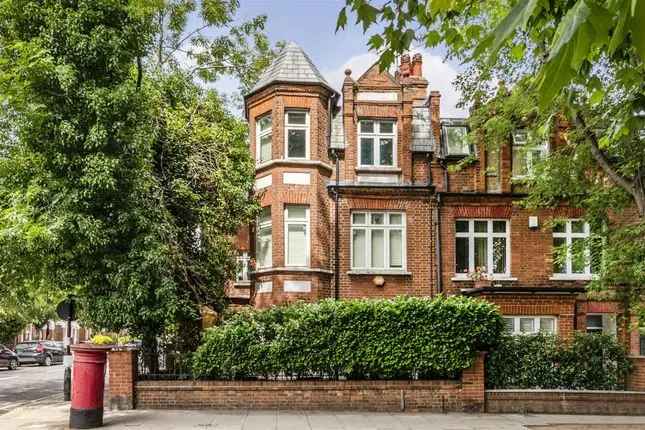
(55, 416)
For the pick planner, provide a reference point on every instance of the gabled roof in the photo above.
(373, 76)
(291, 65)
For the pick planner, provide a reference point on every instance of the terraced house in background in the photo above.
(358, 200)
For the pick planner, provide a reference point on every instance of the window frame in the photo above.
(259, 134)
(568, 235)
(260, 226)
(527, 142)
(368, 227)
(376, 136)
(602, 329)
(244, 260)
(305, 127)
(297, 221)
(490, 235)
(446, 144)
(536, 324)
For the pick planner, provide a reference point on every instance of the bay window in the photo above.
(297, 134)
(572, 255)
(264, 239)
(530, 324)
(263, 139)
(378, 240)
(377, 143)
(296, 227)
(526, 153)
(483, 245)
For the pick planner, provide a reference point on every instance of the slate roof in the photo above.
(291, 65)
(337, 131)
(422, 135)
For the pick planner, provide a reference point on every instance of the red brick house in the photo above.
(358, 201)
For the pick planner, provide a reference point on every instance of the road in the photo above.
(28, 384)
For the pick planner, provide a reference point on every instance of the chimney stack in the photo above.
(404, 68)
(417, 62)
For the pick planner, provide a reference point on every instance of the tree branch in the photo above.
(601, 158)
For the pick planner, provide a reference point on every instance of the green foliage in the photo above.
(217, 43)
(359, 339)
(119, 185)
(10, 326)
(588, 362)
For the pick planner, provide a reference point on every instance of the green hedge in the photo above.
(589, 361)
(404, 338)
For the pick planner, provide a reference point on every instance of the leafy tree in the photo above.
(540, 65)
(123, 182)
(216, 45)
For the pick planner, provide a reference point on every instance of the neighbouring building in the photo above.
(54, 330)
(358, 201)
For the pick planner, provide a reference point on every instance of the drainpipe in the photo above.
(438, 249)
(337, 232)
(336, 203)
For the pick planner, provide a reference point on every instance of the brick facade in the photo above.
(418, 184)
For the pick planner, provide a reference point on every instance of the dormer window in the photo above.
(377, 142)
(455, 139)
(263, 138)
(527, 152)
(297, 134)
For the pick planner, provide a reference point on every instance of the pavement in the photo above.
(29, 383)
(31, 398)
(54, 415)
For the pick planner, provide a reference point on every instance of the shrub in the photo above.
(359, 339)
(589, 361)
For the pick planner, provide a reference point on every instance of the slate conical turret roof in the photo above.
(291, 65)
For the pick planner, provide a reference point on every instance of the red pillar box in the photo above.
(88, 376)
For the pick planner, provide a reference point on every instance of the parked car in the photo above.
(43, 352)
(8, 358)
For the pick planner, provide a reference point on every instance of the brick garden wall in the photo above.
(466, 395)
(565, 402)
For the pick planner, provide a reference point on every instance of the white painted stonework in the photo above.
(263, 182)
(296, 178)
(297, 286)
(373, 96)
(263, 287)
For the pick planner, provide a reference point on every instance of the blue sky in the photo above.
(311, 24)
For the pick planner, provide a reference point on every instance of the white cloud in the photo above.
(439, 74)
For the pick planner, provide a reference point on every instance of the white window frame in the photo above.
(259, 134)
(368, 227)
(603, 328)
(522, 140)
(243, 269)
(376, 136)
(536, 323)
(262, 225)
(471, 235)
(568, 235)
(288, 127)
(446, 141)
(297, 221)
